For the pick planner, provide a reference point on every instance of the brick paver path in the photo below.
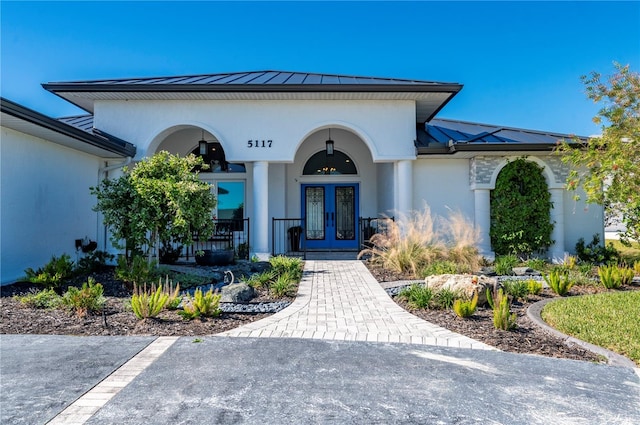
(341, 300)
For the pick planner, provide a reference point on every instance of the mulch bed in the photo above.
(119, 320)
(526, 338)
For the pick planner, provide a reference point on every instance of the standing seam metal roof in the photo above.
(284, 78)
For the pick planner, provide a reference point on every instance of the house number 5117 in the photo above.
(259, 143)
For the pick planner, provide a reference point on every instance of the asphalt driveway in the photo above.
(271, 380)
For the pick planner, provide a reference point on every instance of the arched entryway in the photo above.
(330, 209)
(228, 181)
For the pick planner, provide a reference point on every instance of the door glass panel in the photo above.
(345, 213)
(314, 212)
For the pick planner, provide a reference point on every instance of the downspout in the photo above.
(105, 170)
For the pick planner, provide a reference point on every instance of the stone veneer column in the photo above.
(557, 250)
(260, 219)
(483, 220)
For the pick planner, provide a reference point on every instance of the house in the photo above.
(288, 150)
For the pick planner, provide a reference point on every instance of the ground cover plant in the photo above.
(609, 320)
(27, 307)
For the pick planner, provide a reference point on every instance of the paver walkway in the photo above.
(341, 300)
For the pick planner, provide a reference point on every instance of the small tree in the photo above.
(611, 160)
(161, 199)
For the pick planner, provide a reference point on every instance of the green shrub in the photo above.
(85, 300)
(465, 308)
(558, 281)
(636, 268)
(417, 296)
(609, 276)
(444, 298)
(520, 208)
(94, 261)
(261, 280)
(188, 280)
(613, 276)
(596, 253)
(626, 275)
(538, 264)
(282, 286)
(504, 264)
(138, 271)
(534, 287)
(503, 318)
(438, 267)
(201, 305)
(146, 304)
(53, 274)
(46, 299)
(516, 288)
(286, 265)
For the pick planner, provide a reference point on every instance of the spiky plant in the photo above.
(465, 308)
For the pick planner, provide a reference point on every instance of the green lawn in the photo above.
(610, 320)
(628, 254)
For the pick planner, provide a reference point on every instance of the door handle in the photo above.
(327, 219)
(332, 219)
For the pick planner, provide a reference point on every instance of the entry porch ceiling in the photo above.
(430, 97)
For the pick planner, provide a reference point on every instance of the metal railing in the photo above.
(229, 234)
(287, 237)
(287, 234)
(369, 226)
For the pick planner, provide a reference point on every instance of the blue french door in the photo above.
(331, 215)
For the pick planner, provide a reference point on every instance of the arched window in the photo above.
(216, 160)
(322, 164)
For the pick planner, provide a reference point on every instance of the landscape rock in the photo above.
(465, 284)
(237, 293)
(522, 271)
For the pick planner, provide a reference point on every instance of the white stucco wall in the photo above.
(45, 202)
(581, 220)
(444, 185)
(387, 127)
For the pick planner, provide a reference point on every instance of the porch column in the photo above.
(482, 198)
(556, 251)
(404, 186)
(260, 219)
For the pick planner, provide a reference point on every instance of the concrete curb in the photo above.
(614, 359)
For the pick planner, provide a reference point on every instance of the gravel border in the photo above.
(614, 359)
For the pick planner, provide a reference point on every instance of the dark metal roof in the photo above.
(256, 80)
(83, 122)
(443, 136)
(84, 138)
(430, 96)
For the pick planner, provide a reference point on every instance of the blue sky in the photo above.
(520, 62)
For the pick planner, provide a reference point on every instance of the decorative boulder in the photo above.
(463, 283)
(237, 293)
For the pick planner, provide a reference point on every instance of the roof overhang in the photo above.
(28, 121)
(430, 98)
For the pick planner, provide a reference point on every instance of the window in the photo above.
(230, 200)
(321, 164)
